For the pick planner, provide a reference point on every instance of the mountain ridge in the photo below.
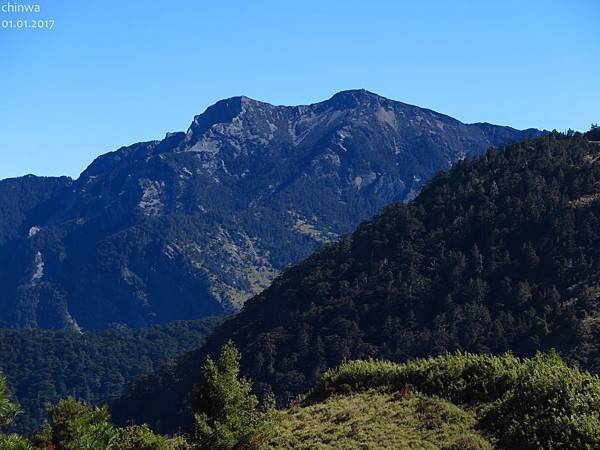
(217, 211)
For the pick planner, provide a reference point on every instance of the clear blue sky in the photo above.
(112, 73)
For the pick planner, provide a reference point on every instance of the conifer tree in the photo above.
(8, 411)
(227, 414)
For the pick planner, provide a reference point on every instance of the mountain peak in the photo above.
(224, 111)
(227, 109)
(221, 112)
(245, 172)
(354, 97)
(357, 93)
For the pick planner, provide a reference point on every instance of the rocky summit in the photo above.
(195, 224)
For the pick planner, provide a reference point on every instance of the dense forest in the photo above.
(44, 366)
(501, 253)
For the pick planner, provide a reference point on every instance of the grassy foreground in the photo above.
(451, 402)
(460, 401)
(375, 420)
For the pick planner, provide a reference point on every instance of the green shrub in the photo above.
(8, 412)
(550, 406)
(461, 378)
(142, 438)
(530, 404)
(76, 426)
(14, 442)
(468, 442)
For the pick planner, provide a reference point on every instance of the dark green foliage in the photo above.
(43, 366)
(197, 223)
(142, 438)
(225, 410)
(77, 426)
(463, 378)
(8, 411)
(502, 253)
(550, 406)
(25, 200)
(594, 133)
(530, 404)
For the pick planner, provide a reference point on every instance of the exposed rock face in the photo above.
(197, 223)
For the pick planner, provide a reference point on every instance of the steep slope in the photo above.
(27, 200)
(500, 254)
(195, 224)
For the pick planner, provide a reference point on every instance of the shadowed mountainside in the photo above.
(500, 254)
(197, 223)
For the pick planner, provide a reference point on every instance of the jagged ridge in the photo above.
(195, 224)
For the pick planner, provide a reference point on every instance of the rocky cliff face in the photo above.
(197, 223)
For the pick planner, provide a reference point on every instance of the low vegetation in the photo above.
(376, 420)
(519, 404)
(77, 426)
(451, 402)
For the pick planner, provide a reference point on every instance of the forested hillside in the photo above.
(502, 253)
(198, 222)
(44, 366)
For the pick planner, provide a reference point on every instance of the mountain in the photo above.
(26, 199)
(197, 223)
(45, 366)
(499, 254)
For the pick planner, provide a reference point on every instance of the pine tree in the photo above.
(227, 414)
(8, 411)
(76, 426)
